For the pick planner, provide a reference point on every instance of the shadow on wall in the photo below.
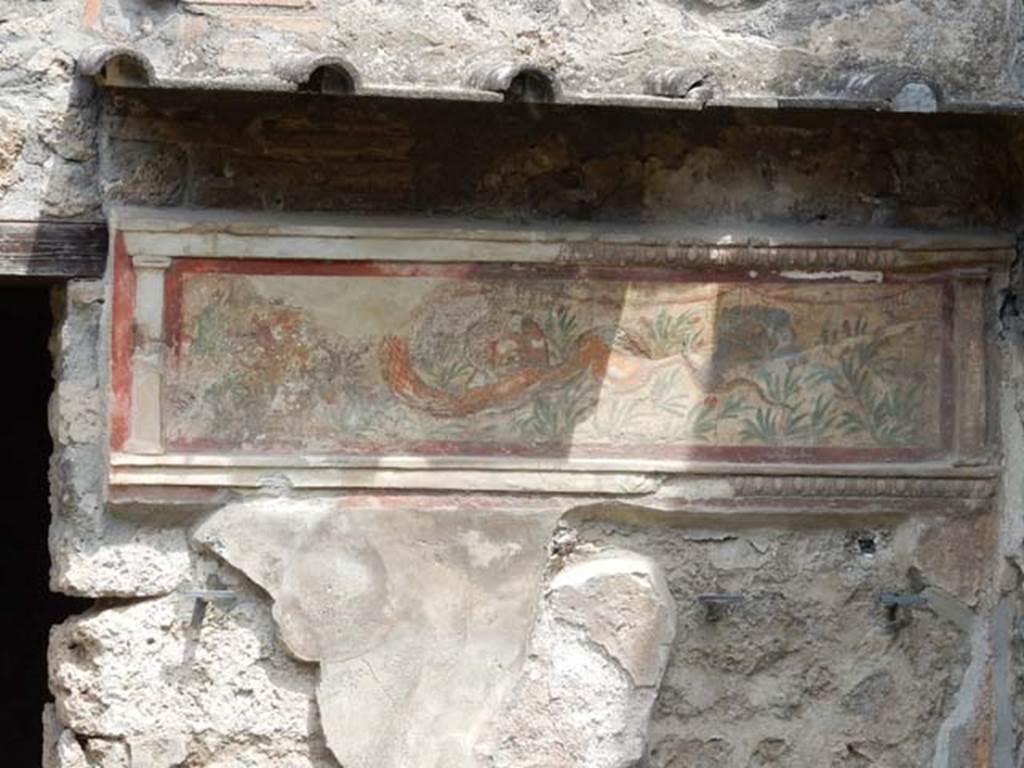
(535, 162)
(31, 609)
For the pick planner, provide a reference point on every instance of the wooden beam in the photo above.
(52, 250)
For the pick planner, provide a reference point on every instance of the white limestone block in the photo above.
(597, 656)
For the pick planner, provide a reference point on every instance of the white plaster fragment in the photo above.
(853, 275)
(597, 655)
(416, 616)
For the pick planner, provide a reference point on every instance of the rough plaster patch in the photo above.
(622, 601)
(415, 633)
(420, 620)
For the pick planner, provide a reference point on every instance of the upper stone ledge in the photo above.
(515, 82)
(244, 224)
(674, 54)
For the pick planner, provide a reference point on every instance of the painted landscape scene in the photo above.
(438, 360)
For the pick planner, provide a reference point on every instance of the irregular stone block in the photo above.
(122, 559)
(418, 617)
(69, 752)
(597, 655)
(104, 753)
(51, 736)
(145, 674)
(71, 189)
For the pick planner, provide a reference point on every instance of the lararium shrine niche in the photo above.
(391, 423)
(383, 354)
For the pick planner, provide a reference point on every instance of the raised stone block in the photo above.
(596, 658)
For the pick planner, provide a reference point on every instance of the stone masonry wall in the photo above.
(137, 682)
(808, 669)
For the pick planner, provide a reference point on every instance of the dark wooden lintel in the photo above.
(52, 250)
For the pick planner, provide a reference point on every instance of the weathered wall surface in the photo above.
(807, 668)
(750, 47)
(530, 164)
(48, 140)
(47, 117)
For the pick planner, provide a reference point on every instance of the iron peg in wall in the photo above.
(203, 598)
(716, 605)
(895, 601)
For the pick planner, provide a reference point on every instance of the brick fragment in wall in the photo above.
(142, 682)
(93, 553)
(957, 554)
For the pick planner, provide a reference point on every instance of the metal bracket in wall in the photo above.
(716, 605)
(897, 607)
(203, 598)
(896, 599)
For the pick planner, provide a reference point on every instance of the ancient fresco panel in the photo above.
(496, 360)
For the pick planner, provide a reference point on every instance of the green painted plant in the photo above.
(561, 330)
(823, 418)
(667, 394)
(774, 426)
(446, 367)
(672, 334)
(869, 398)
(617, 419)
(554, 416)
(703, 422)
(782, 388)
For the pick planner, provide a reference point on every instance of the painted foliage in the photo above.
(442, 359)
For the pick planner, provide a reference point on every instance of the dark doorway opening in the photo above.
(30, 609)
